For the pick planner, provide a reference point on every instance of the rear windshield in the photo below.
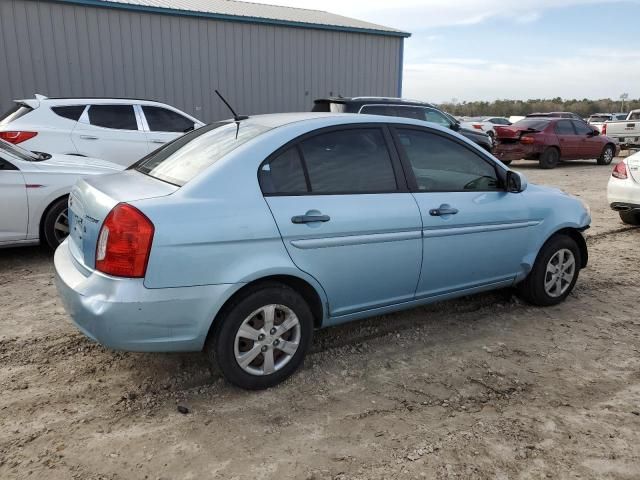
(187, 156)
(532, 123)
(14, 113)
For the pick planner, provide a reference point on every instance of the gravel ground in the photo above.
(479, 388)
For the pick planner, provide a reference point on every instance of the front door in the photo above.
(111, 132)
(163, 125)
(475, 233)
(15, 216)
(590, 145)
(346, 218)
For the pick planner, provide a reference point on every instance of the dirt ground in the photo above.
(479, 388)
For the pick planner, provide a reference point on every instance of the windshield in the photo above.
(187, 156)
(532, 124)
(19, 152)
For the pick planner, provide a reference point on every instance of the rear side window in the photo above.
(163, 120)
(442, 165)
(72, 112)
(564, 127)
(14, 113)
(349, 161)
(435, 116)
(284, 174)
(119, 117)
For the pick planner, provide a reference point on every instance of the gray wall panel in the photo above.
(70, 50)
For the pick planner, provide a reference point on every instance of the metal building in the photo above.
(263, 58)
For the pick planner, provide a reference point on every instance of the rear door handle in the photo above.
(88, 137)
(438, 212)
(310, 218)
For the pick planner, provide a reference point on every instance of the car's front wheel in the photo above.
(554, 273)
(262, 337)
(55, 226)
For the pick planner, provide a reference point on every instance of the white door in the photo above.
(163, 124)
(111, 132)
(13, 194)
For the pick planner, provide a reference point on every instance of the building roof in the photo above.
(232, 10)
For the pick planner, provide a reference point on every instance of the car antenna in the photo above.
(236, 118)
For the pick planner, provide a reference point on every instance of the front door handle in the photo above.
(88, 137)
(443, 210)
(310, 218)
(158, 141)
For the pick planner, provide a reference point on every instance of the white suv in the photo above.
(114, 129)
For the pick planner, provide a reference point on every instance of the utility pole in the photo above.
(623, 97)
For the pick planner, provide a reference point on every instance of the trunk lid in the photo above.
(512, 133)
(92, 199)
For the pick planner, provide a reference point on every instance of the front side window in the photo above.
(118, 117)
(349, 161)
(163, 120)
(564, 127)
(582, 128)
(443, 165)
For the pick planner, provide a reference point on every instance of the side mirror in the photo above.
(595, 132)
(516, 182)
(455, 126)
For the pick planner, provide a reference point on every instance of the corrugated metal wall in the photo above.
(69, 50)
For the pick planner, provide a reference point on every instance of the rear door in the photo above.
(567, 139)
(13, 192)
(163, 125)
(590, 145)
(111, 132)
(346, 218)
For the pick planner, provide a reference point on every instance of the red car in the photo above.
(550, 140)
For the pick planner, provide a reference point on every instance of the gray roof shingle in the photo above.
(250, 12)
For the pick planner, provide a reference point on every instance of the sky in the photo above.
(507, 49)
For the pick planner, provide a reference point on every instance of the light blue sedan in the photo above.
(240, 238)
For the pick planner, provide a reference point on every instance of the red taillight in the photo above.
(477, 126)
(620, 171)
(527, 140)
(124, 242)
(604, 129)
(17, 137)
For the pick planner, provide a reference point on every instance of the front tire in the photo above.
(630, 217)
(554, 273)
(262, 337)
(607, 155)
(550, 158)
(55, 227)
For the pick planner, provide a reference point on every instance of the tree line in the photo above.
(506, 108)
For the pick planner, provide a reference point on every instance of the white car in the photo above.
(623, 191)
(114, 129)
(34, 188)
(486, 124)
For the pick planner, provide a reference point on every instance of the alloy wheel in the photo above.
(61, 226)
(560, 271)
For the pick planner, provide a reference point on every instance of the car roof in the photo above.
(378, 100)
(41, 99)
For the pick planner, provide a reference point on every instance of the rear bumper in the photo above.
(122, 314)
(624, 194)
(515, 151)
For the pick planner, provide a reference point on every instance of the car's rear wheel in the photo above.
(55, 227)
(262, 337)
(554, 273)
(550, 158)
(630, 217)
(607, 155)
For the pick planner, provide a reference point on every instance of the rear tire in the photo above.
(607, 155)
(554, 273)
(550, 158)
(630, 218)
(247, 344)
(55, 227)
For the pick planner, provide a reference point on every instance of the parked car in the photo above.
(398, 107)
(551, 140)
(626, 132)
(329, 218)
(598, 120)
(623, 191)
(556, 115)
(34, 188)
(114, 129)
(485, 124)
